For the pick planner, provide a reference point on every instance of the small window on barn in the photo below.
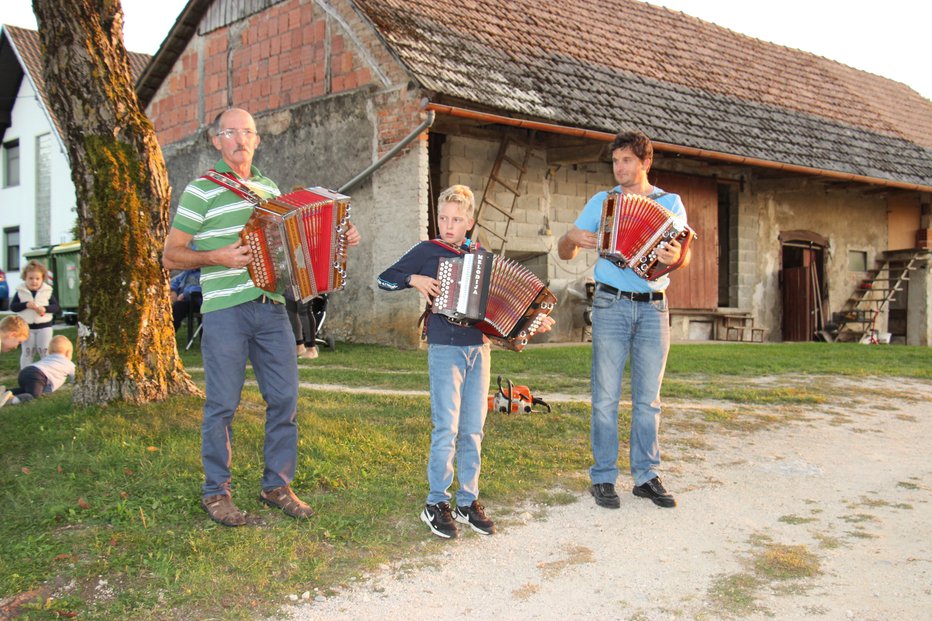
(857, 260)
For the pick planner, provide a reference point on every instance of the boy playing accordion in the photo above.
(458, 361)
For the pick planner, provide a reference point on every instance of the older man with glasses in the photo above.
(241, 322)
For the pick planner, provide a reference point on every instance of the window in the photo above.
(10, 163)
(11, 246)
(857, 261)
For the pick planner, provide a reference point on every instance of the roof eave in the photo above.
(673, 148)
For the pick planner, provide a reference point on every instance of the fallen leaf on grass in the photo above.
(83, 504)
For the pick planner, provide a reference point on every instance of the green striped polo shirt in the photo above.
(215, 216)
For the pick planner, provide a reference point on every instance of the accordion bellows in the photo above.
(633, 227)
(501, 297)
(298, 243)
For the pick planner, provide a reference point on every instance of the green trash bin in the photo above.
(66, 265)
(42, 254)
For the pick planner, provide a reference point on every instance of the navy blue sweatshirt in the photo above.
(423, 259)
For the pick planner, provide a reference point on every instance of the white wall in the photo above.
(17, 204)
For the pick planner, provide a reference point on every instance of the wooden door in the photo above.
(798, 300)
(695, 287)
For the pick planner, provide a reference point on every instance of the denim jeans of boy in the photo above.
(260, 333)
(624, 330)
(459, 386)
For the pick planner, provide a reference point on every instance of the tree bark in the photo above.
(126, 342)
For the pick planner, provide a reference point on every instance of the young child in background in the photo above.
(34, 302)
(458, 364)
(13, 331)
(46, 375)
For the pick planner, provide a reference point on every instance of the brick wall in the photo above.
(289, 54)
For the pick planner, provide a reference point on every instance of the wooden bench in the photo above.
(738, 326)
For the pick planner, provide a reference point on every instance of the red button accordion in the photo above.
(298, 242)
(501, 297)
(633, 227)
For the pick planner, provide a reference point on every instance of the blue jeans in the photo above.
(459, 385)
(260, 333)
(623, 329)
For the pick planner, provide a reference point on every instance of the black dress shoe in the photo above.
(605, 496)
(654, 490)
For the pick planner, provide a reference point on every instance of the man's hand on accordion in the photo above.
(546, 324)
(352, 235)
(235, 255)
(427, 286)
(669, 253)
(573, 240)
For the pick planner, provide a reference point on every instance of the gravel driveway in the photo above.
(814, 513)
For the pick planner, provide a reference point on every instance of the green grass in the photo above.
(100, 512)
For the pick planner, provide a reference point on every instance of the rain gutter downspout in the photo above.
(352, 183)
(670, 148)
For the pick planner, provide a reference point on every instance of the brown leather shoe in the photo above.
(221, 509)
(283, 498)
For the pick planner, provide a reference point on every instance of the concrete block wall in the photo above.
(552, 197)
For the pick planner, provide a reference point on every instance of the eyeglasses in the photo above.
(229, 134)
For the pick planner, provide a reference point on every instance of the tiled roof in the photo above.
(614, 64)
(29, 50)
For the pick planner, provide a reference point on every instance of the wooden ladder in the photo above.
(857, 318)
(507, 174)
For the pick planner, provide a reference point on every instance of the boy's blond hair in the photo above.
(35, 266)
(14, 325)
(61, 344)
(462, 196)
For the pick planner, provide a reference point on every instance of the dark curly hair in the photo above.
(638, 141)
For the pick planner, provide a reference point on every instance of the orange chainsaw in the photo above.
(514, 399)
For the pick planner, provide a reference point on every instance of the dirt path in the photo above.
(826, 517)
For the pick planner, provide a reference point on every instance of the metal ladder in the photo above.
(500, 179)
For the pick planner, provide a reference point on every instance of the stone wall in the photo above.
(553, 196)
(850, 220)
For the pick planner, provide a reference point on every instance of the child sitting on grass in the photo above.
(13, 331)
(46, 375)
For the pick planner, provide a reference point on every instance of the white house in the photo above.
(37, 199)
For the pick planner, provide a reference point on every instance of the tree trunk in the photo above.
(126, 342)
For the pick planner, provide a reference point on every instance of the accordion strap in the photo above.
(447, 246)
(422, 321)
(230, 182)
